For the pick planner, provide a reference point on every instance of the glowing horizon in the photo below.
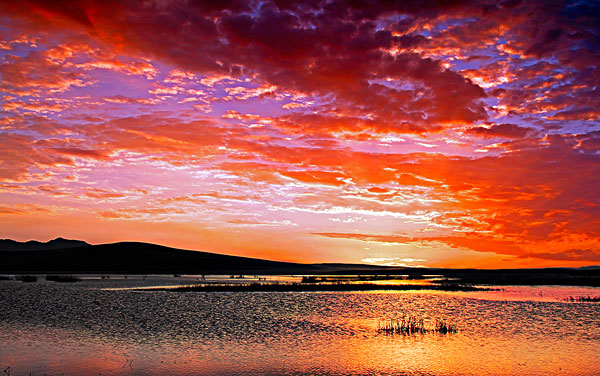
(452, 134)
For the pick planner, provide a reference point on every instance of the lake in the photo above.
(99, 327)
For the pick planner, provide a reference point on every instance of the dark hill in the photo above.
(34, 245)
(78, 257)
(145, 258)
(142, 258)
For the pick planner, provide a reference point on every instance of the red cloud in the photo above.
(35, 72)
(338, 55)
(85, 153)
(501, 130)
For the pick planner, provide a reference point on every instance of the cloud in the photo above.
(85, 153)
(134, 68)
(585, 113)
(345, 51)
(393, 261)
(501, 130)
(120, 99)
(36, 72)
(570, 255)
(32, 106)
(21, 209)
(465, 124)
(369, 238)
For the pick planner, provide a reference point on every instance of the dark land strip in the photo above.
(144, 258)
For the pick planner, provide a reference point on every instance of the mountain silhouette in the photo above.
(63, 256)
(34, 245)
(145, 258)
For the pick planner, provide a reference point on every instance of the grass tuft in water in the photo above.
(409, 325)
(443, 327)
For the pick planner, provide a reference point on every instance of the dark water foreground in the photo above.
(83, 329)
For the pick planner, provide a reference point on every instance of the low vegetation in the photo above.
(583, 299)
(62, 278)
(307, 287)
(359, 278)
(26, 278)
(409, 325)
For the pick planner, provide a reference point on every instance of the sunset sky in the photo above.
(442, 133)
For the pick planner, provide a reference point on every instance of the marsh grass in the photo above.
(62, 278)
(307, 287)
(409, 325)
(26, 278)
(443, 327)
(583, 299)
(349, 278)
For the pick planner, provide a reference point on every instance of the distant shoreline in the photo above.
(304, 287)
(134, 258)
(446, 279)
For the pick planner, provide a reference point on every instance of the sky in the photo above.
(439, 134)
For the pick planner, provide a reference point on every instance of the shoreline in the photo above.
(303, 287)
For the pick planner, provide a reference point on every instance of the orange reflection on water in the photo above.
(508, 332)
(460, 355)
(534, 293)
(398, 282)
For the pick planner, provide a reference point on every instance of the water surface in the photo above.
(93, 327)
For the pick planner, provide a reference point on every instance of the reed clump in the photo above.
(443, 327)
(409, 325)
(582, 299)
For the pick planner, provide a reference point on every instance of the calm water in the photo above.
(91, 328)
